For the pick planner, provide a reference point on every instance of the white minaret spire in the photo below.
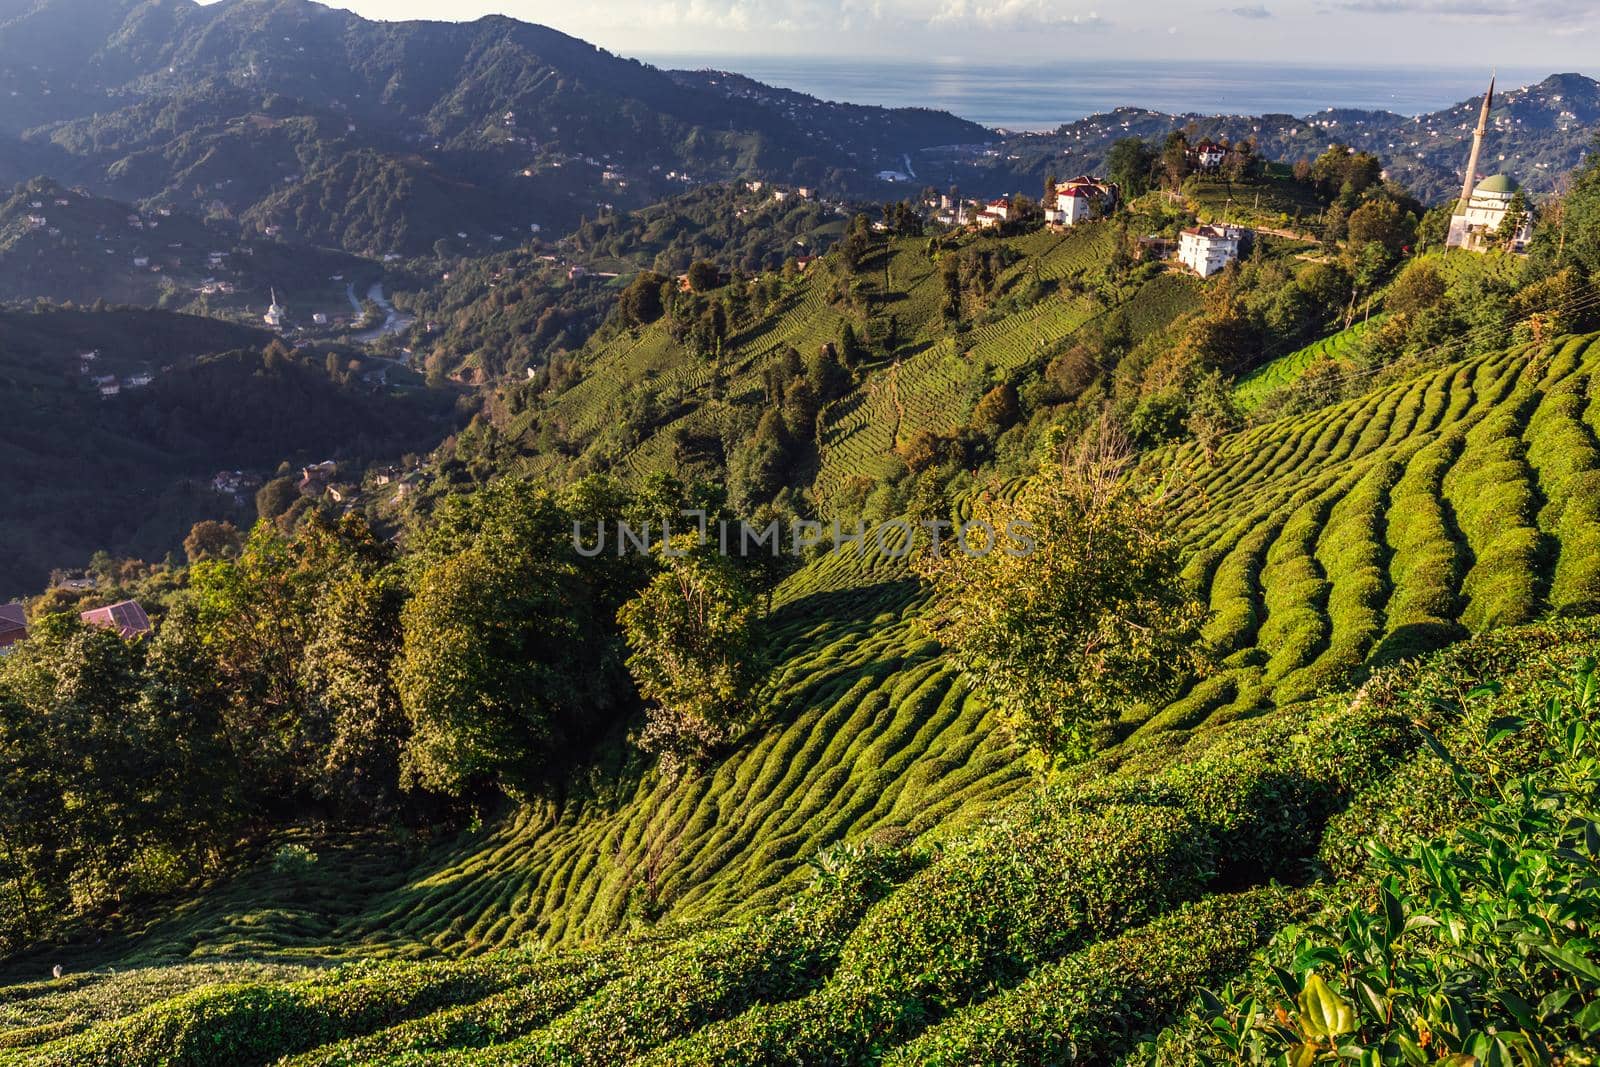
(1477, 145)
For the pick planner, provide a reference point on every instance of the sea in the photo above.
(1043, 95)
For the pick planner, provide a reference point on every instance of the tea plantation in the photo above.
(874, 876)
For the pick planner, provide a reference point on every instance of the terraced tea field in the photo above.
(1253, 388)
(1327, 544)
(930, 387)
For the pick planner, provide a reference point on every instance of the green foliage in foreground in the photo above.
(1478, 944)
(1084, 916)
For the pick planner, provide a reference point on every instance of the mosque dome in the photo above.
(1498, 185)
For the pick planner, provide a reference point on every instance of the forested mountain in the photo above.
(131, 473)
(1540, 132)
(68, 245)
(390, 137)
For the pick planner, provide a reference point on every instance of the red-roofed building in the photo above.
(1077, 200)
(994, 213)
(127, 619)
(13, 626)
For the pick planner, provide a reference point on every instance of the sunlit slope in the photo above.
(1364, 533)
(1352, 537)
(929, 384)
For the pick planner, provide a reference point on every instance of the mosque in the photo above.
(1484, 206)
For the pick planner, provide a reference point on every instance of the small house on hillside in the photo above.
(1207, 249)
(127, 619)
(1079, 200)
(994, 213)
(13, 626)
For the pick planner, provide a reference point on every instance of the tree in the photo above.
(212, 540)
(1511, 225)
(1419, 287)
(640, 303)
(275, 498)
(1381, 222)
(1129, 166)
(254, 617)
(999, 408)
(694, 653)
(704, 276)
(357, 727)
(504, 663)
(1080, 609)
(1212, 413)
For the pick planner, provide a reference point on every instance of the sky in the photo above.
(1553, 35)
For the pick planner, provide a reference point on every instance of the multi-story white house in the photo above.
(994, 213)
(1207, 249)
(1079, 200)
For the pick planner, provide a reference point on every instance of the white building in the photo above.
(993, 214)
(275, 313)
(1079, 200)
(1477, 220)
(1207, 249)
(1483, 207)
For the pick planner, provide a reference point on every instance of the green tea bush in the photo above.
(232, 1025)
(1476, 947)
(1091, 1006)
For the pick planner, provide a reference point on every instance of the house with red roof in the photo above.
(13, 626)
(1078, 200)
(994, 213)
(127, 619)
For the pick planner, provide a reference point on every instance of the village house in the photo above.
(1207, 249)
(317, 476)
(1208, 155)
(128, 619)
(234, 483)
(1079, 200)
(994, 213)
(13, 626)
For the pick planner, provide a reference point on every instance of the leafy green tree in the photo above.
(254, 618)
(1505, 235)
(1382, 222)
(212, 540)
(1080, 608)
(1212, 413)
(1419, 287)
(704, 276)
(999, 407)
(1129, 165)
(357, 728)
(504, 663)
(694, 653)
(640, 303)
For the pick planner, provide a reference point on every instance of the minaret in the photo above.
(1477, 147)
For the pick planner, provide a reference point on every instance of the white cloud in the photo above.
(1257, 11)
(1014, 14)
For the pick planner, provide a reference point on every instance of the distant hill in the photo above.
(63, 245)
(131, 473)
(389, 137)
(1540, 133)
